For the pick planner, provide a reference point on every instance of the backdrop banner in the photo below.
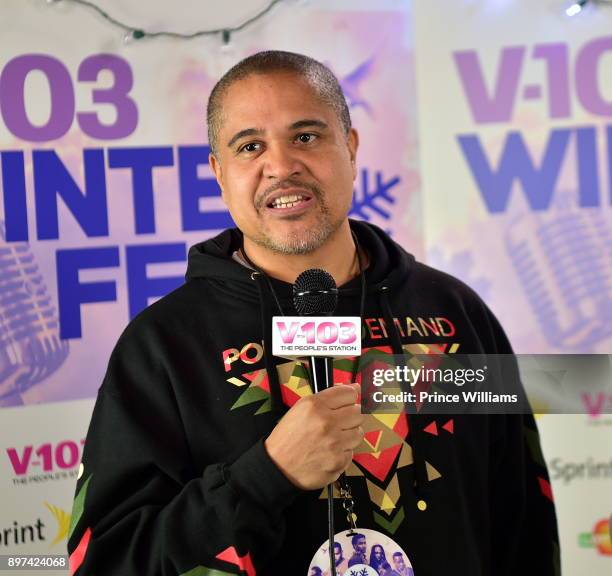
(105, 184)
(515, 101)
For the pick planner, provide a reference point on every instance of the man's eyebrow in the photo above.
(243, 134)
(308, 123)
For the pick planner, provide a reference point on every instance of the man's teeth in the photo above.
(287, 201)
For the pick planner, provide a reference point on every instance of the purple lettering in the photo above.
(499, 106)
(516, 164)
(126, 111)
(556, 57)
(587, 67)
(12, 103)
(588, 167)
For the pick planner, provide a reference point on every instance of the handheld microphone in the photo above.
(315, 332)
(315, 294)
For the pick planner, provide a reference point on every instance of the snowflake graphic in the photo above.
(360, 570)
(369, 199)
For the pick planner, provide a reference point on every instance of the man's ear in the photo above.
(215, 166)
(352, 142)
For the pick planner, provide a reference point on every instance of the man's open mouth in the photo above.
(288, 201)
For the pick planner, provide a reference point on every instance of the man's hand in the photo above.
(314, 442)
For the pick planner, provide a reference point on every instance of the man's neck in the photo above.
(337, 256)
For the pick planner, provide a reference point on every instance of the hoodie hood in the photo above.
(389, 265)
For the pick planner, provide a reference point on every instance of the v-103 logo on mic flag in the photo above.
(316, 335)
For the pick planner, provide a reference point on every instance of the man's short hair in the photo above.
(398, 554)
(319, 76)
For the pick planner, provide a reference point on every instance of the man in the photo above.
(340, 561)
(400, 565)
(206, 454)
(359, 544)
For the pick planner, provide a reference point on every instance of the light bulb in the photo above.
(576, 7)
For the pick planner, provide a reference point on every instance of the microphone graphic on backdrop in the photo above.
(563, 259)
(30, 346)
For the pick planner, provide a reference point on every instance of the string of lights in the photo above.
(138, 33)
(577, 6)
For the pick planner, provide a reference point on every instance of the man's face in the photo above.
(284, 163)
(398, 561)
(337, 552)
(360, 545)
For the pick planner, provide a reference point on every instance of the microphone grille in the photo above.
(315, 293)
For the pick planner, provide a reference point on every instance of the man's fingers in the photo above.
(349, 416)
(339, 396)
(352, 438)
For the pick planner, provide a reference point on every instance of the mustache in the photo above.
(262, 200)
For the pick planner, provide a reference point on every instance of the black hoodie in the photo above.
(176, 479)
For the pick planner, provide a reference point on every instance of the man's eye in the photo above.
(250, 147)
(306, 138)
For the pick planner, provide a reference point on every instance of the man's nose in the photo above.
(281, 162)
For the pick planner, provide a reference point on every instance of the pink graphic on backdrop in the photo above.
(371, 53)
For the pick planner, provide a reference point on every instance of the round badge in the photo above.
(362, 552)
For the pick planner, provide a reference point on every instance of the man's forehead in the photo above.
(280, 97)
